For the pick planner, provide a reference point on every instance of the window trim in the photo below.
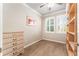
(50, 25)
(54, 24)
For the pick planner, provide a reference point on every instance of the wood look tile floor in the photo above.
(46, 48)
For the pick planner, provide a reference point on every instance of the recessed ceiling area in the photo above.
(45, 10)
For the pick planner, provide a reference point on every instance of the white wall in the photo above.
(58, 37)
(0, 23)
(78, 25)
(14, 19)
(78, 21)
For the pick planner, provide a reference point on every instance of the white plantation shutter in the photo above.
(61, 22)
(56, 24)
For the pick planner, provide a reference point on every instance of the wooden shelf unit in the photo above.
(71, 43)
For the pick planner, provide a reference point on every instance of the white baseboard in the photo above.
(31, 43)
(54, 40)
(43, 39)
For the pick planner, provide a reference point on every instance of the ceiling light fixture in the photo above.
(50, 5)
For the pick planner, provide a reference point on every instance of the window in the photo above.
(56, 24)
(61, 22)
(50, 24)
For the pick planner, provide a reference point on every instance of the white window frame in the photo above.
(55, 29)
(49, 25)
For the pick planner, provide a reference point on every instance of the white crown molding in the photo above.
(32, 9)
(55, 13)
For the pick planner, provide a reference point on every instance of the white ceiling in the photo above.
(44, 10)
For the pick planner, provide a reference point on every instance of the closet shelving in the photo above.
(72, 29)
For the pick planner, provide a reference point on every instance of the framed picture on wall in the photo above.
(30, 20)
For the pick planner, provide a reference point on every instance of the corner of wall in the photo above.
(32, 9)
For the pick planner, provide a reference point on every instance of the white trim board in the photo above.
(31, 9)
(31, 43)
(55, 13)
(54, 40)
(42, 39)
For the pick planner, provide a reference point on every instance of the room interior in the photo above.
(40, 29)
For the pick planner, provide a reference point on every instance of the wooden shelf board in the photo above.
(71, 21)
(72, 33)
(72, 45)
(67, 40)
(70, 53)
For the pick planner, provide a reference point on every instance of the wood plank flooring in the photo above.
(46, 48)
